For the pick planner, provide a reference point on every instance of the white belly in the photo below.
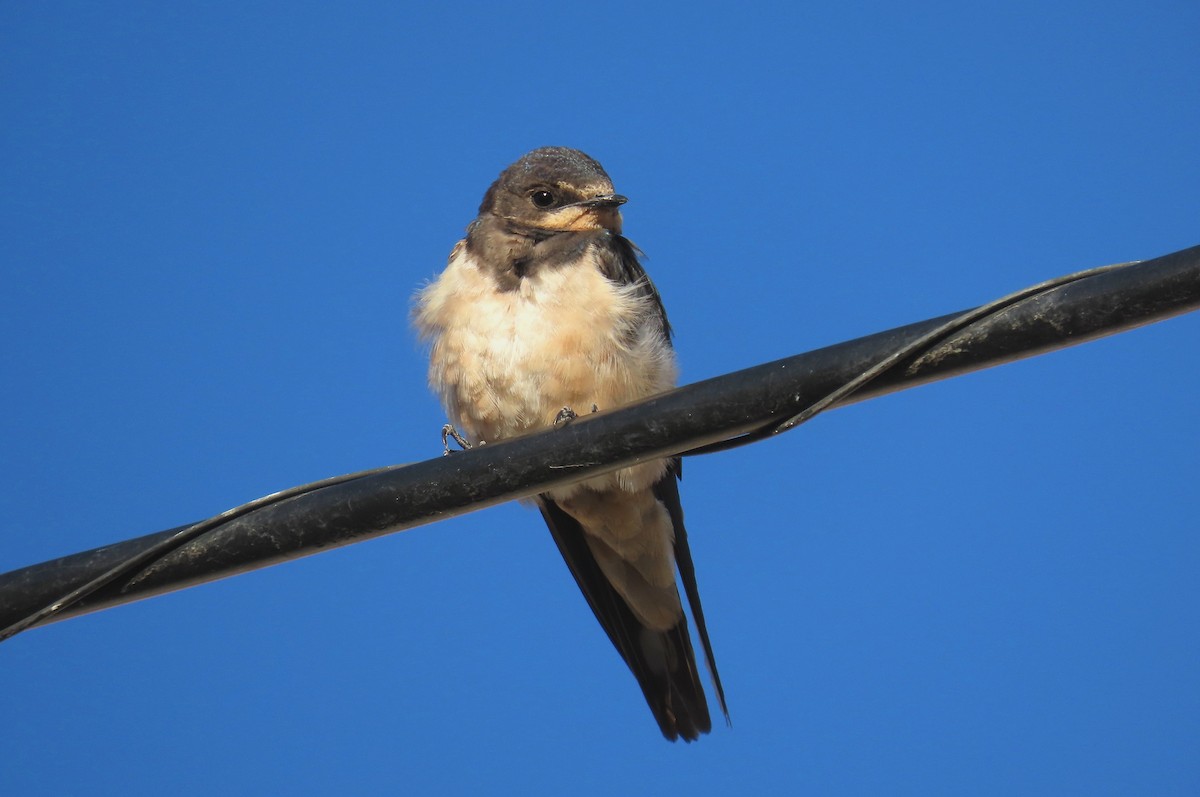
(505, 362)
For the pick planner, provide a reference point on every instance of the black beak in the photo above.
(603, 201)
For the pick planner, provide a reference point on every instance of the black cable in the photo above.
(179, 538)
(926, 341)
(715, 414)
(186, 535)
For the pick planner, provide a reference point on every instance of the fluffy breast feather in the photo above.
(506, 361)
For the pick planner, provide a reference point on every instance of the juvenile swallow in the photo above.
(545, 306)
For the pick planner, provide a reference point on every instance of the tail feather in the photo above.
(667, 491)
(663, 662)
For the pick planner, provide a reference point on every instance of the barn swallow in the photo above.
(545, 306)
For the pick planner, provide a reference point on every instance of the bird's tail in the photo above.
(662, 661)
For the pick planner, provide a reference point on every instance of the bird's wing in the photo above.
(663, 662)
(666, 490)
(619, 262)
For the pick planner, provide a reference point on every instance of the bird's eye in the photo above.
(543, 199)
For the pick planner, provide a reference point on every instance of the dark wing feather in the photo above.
(619, 262)
(666, 490)
(662, 661)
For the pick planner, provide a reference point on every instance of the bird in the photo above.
(544, 307)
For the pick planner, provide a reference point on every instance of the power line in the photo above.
(741, 407)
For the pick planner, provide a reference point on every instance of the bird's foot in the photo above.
(448, 431)
(565, 416)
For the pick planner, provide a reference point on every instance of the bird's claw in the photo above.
(448, 431)
(566, 415)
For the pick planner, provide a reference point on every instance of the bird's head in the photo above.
(555, 188)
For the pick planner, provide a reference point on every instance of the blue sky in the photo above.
(214, 218)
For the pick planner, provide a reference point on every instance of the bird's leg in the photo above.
(566, 415)
(449, 431)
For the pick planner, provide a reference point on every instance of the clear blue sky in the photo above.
(212, 222)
